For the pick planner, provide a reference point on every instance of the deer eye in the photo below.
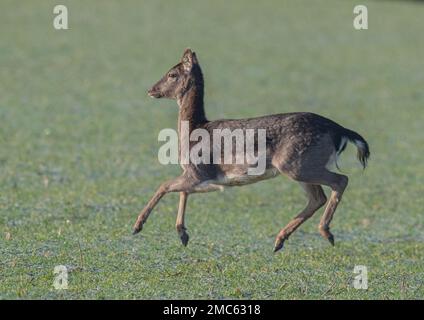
(172, 75)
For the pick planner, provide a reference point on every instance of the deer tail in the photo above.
(363, 153)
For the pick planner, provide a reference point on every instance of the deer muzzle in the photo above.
(154, 93)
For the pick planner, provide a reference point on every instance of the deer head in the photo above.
(179, 79)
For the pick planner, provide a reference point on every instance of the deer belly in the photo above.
(237, 178)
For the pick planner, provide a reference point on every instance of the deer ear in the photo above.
(194, 57)
(188, 59)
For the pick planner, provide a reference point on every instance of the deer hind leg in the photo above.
(176, 185)
(316, 199)
(180, 226)
(338, 184)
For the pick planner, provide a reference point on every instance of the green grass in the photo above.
(78, 149)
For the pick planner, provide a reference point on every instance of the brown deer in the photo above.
(299, 145)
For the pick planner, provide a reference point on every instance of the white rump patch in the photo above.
(343, 142)
(359, 144)
(332, 161)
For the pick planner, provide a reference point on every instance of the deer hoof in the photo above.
(279, 244)
(184, 238)
(137, 229)
(331, 238)
(325, 232)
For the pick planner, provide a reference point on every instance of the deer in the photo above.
(302, 146)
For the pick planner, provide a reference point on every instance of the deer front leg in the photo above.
(180, 226)
(175, 185)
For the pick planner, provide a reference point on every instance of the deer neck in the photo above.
(191, 109)
(190, 117)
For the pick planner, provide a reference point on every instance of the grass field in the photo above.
(78, 149)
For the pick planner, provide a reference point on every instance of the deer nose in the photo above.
(151, 92)
(154, 93)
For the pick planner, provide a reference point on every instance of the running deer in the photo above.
(299, 145)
